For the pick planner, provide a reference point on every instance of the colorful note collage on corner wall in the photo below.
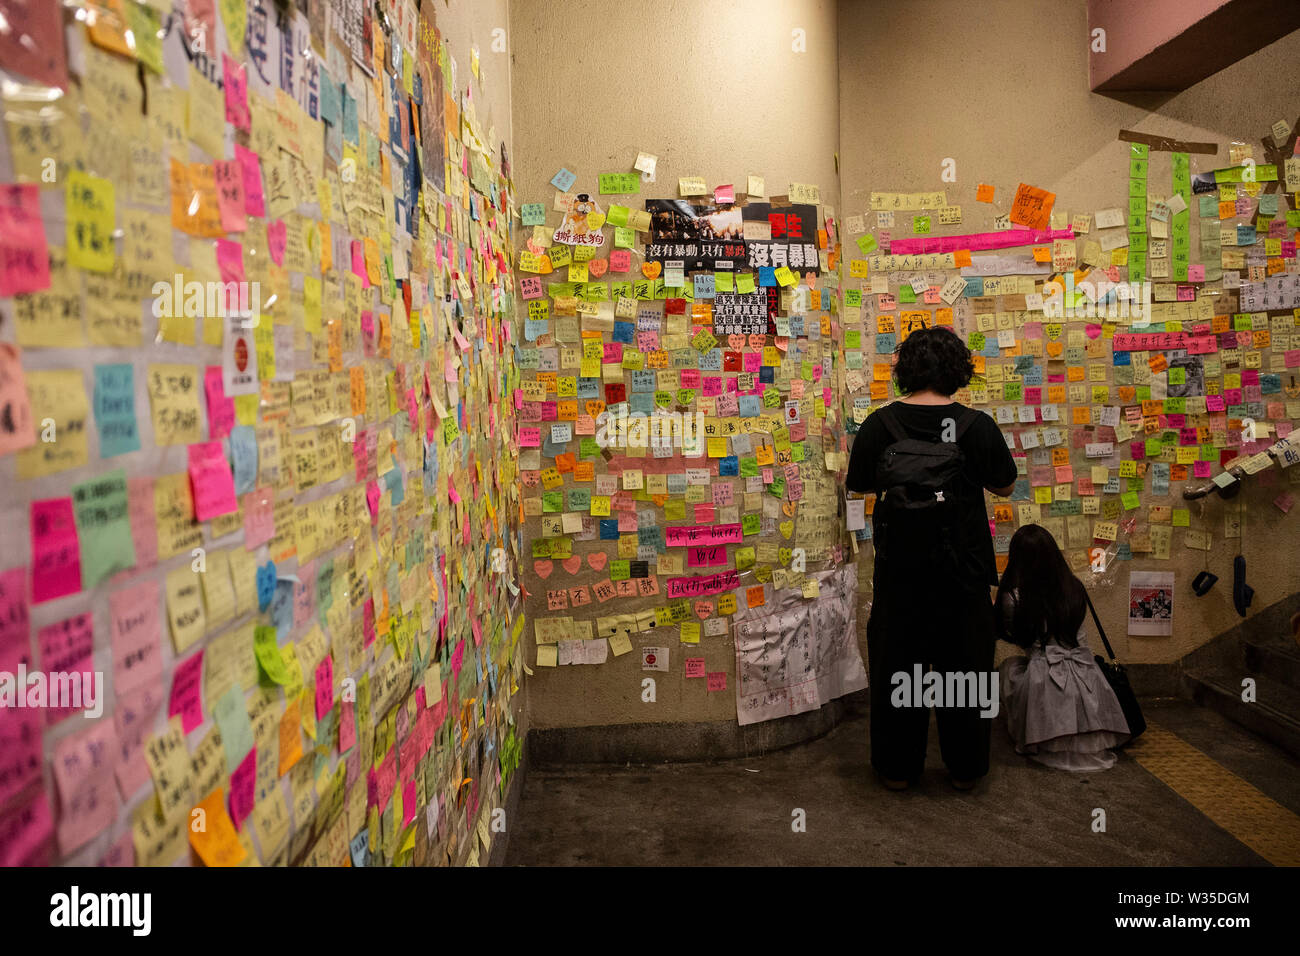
(274, 523)
(680, 438)
(1127, 353)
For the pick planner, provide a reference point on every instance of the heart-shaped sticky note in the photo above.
(596, 267)
(786, 528)
(788, 507)
(572, 564)
(543, 568)
(784, 555)
(597, 560)
(703, 609)
(651, 270)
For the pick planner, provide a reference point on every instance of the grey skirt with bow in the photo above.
(1059, 709)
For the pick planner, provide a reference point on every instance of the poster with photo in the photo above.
(701, 235)
(574, 230)
(778, 236)
(1151, 603)
(432, 104)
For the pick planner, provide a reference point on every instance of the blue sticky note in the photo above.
(533, 213)
(243, 456)
(330, 109)
(265, 585)
(282, 606)
(360, 847)
(394, 481)
(351, 131)
(623, 332)
(704, 285)
(563, 180)
(729, 465)
(766, 276)
(115, 410)
(608, 529)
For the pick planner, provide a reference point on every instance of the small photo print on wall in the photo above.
(1151, 603)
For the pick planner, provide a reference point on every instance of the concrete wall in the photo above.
(720, 90)
(1005, 94)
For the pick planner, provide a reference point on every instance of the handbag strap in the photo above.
(1100, 630)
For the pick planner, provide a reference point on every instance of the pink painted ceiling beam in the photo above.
(1169, 45)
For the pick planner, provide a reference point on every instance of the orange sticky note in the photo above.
(983, 193)
(215, 841)
(1042, 253)
(290, 737)
(1032, 207)
(961, 258)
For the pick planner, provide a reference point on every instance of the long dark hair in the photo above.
(1049, 600)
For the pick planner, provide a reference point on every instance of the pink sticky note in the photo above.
(221, 410)
(347, 726)
(136, 630)
(20, 727)
(236, 87)
(134, 716)
(186, 699)
(373, 495)
(67, 647)
(56, 554)
(24, 256)
(211, 480)
(243, 789)
(229, 175)
(725, 193)
(254, 201)
(1196, 273)
(24, 832)
(82, 758)
(410, 802)
(695, 667)
(717, 681)
(277, 239)
(259, 517)
(324, 687)
(359, 263)
(144, 532)
(16, 431)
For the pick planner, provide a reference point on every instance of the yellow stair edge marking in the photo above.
(1253, 818)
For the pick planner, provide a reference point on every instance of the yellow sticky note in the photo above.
(174, 398)
(91, 215)
(185, 608)
(60, 415)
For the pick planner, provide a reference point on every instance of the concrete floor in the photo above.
(739, 812)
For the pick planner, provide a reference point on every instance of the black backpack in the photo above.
(916, 524)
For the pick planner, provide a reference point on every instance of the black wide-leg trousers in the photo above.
(938, 627)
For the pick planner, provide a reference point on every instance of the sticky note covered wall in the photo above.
(1129, 352)
(260, 501)
(679, 434)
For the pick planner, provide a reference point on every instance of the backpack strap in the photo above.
(892, 424)
(965, 420)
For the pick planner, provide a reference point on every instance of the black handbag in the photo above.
(1117, 677)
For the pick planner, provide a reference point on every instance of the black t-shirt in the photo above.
(988, 464)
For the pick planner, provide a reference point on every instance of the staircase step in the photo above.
(1275, 657)
(1275, 714)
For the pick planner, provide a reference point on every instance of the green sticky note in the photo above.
(624, 238)
(620, 570)
(269, 661)
(745, 283)
(103, 527)
(552, 502)
(616, 183)
(866, 243)
(1130, 500)
(1182, 518)
(533, 213)
(617, 215)
(236, 731)
(750, 524)
(724, 282)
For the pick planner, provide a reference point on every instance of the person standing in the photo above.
(929, 460)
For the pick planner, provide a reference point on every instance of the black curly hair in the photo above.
(933, 360)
